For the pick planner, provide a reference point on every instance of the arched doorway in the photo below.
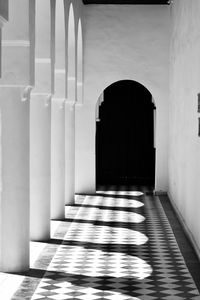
(125, 151)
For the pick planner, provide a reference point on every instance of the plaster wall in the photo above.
(184, 143)
(123, 42)
(4, 9)
(18, 14)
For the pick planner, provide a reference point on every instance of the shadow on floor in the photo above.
(122, 285)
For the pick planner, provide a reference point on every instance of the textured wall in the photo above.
(123, 42)
(184, 162)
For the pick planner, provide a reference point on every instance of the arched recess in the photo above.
(125, 145)
(80, 64)
(71, 61)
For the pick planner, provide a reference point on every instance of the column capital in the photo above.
(25, 91)
(26, 94)
(70, 104)
(43, 60)
(60, 101)
(78, 104)
(15, 43)
(46, 97)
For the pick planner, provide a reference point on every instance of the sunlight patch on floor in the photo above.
(54, 226)
(35, 249)
(102, 263)
(104, 234)
(124, 193)
(9, 283)
(112, 202)
(106, 215)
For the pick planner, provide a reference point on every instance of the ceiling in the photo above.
(133, 2)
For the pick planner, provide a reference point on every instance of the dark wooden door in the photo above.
(125, 136)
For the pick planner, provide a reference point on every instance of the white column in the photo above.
(70, 110)
(57, 159)
(58, 118)
(69, 153)
(40, 127)
(14, 123)
(14, 140)
(40, 158)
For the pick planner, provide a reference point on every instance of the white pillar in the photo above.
(57, 159)
(14, 140)
(14, 122)
(69, 153)
(40, 127)
(58, 118)
(70, 110)
(40, 158)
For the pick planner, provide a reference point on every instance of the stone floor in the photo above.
(117, 244)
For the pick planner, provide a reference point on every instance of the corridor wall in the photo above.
(184, 142)
(3, 20)
(4, 9)
(123, 42)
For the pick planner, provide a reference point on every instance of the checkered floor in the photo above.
(119, 246)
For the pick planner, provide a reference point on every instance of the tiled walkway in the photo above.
(113, 245)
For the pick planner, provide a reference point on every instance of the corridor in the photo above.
(61, 135)
(117, 244)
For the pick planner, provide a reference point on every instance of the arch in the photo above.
(141, 83)
(146, 84)
(80, 64)
(71, 56)
(129, 122)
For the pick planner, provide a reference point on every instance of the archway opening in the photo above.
(125, 146)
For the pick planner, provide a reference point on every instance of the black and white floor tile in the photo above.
(113, 246)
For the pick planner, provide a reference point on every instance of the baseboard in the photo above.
(184, 226)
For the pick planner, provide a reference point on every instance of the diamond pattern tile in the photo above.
(119, 246)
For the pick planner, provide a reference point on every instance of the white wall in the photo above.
(184, 161)
(122, 42)
(4, 9)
